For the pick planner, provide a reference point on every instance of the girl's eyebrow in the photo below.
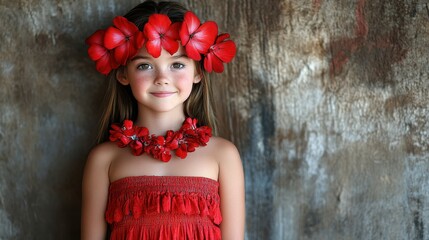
(148, 57)
(139, 57)
(180, 56)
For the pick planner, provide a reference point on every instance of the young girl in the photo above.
(158, 173)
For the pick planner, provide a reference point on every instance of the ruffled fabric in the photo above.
(164, 207)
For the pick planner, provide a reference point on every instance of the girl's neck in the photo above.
(159, 123)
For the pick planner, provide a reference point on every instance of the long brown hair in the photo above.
(119, 103)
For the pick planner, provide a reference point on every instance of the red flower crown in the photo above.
(112, 47)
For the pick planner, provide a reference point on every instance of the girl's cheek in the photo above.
(144, 75)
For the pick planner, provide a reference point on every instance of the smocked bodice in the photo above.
(164, 207)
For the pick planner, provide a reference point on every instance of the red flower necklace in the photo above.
(113, 47)
(185, 140)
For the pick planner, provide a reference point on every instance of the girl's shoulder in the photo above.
(230, 175)
(103, 153)
(104, 148)
(222, 143)
(223, 149)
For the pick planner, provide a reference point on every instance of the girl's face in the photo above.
(160, 84)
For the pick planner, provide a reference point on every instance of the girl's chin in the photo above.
(162, 108)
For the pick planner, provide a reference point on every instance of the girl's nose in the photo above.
(161, 78)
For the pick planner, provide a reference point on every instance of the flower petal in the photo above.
(128, 124)
(170, 45)
(205, 36)
(181, 153)
(222, 37)
(159, 22)
(153, 47)
(113, 63)
(103, 64)
(139, 40)
(113, 38)
(126, 27)
(96, 38)
(173, 31)
(122, 52)
(211, 62)
(225, 51)
(217, 65)
(96, 52)
(192, 51)
(150, 32)
(190, 23)
(208, 62)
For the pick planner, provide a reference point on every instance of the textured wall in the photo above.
(49, 108)
(327, 102)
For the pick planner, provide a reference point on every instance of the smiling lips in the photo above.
(162, 94)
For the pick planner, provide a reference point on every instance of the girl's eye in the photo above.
(178, 65)
(144, 66)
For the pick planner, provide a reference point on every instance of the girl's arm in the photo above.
(95, 186)
(231, 179)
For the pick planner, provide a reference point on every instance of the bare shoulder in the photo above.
(101, 156)
(105, 149)
(227, 157)
(224, 150)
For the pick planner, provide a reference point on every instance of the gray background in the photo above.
(327, 102)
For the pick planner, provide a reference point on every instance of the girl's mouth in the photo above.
(162, 94)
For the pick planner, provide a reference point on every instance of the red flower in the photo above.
(171, 140)
(182, 152)
(189, 124)
(223, 51)
(184, 141)
(122, 135)
(128, 128)
(193, 137)
(130, 135)
(103, 57)
(197, 38)
(158, 149)
(140, 135)
(136, 147)
(125, 38)
(142, 132)
(161, 33)
(204, 134)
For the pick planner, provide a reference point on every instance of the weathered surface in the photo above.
(49, 100)
(328, 104)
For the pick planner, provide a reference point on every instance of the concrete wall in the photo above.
(327, 102)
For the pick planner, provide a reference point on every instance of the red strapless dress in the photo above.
(164, 207)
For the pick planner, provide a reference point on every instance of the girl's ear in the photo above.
(122, 77)
(197, 78)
